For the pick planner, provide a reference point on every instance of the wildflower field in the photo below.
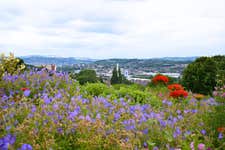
(41, 110)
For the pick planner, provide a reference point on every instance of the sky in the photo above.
(112, 28)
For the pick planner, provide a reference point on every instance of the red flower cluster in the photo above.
(24, 89)
(160, 79)
(178, 93)
(175, 86)
(221, 129)
(177, 90)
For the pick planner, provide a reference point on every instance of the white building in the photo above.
(51, 67)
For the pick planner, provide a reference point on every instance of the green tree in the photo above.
(120, 76)
(87, 76)
(115, 78)
(199, 76)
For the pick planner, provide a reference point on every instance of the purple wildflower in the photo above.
(178, 111)
(58, 95)
(127, 122)
(177, 132)
(169, 103)
(85, 101)
(145, 131)
(107, 104)
(188, 132)
(81, 117)
(9, 139)
(98, 116)
(33, 109)
(60, 130)
(55, 106)
(155, 148)
(144, 107)
(26, 147)
(126, 139)
(3, 146)
(171, 123)
(203, 132)
(50, 113)
(74, 113)
(142, 119)
(180, 117)
(8, 128)
(47, 100)
(130, 127)
(109, 131)
(30, 115)
(145, 145)
(4, 98)
(116, 116)
(162, 123)
(11, 92)
(186, 111)
(175, 119)
(26, 93)
(220, 136)
(88, 118)
(59, 117)
(194, 111)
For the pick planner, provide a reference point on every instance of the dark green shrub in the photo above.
(199, 76)
(87, 76)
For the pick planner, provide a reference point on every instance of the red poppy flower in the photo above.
(160, 79)
(175, 86)
(178, 93)
(24, 89)
(221, 129)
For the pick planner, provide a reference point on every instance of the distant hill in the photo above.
(41, 60)
(166, 64)
(141, 66)
(167, 61)
(179, 58)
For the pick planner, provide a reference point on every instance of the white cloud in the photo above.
(113, 28)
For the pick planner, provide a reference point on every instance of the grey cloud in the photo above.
(113, 28)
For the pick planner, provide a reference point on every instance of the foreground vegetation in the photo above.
(49, 110)
(52, 112)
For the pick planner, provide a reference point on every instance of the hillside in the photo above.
(134, 66)
(40, 60)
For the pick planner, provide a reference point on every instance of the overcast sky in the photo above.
(112, 28)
